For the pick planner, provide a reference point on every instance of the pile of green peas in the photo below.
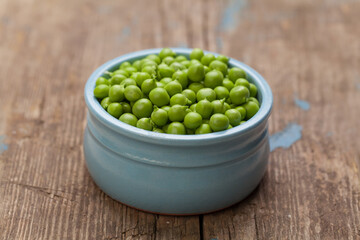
(169, 93)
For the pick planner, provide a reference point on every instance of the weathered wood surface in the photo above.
(307, 50)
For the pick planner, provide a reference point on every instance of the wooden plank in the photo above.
(307, 50)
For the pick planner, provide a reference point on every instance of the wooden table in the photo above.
(309, 52)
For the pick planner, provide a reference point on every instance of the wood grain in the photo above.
(305, 49)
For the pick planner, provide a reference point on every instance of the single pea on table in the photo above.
(169, 93)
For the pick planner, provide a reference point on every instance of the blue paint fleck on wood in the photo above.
(3, 146)
(125, 32)
(304, 105)
(230, 15)
(358, 85)
(286, 137)
(219, 43)
(229, 19)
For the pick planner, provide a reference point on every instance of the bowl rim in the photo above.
(133, 132)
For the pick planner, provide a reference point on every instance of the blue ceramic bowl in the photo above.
(176, 174)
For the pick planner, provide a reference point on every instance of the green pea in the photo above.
(168, 60)
(166, 52)
(196, 53)
(186, 63)
(181, 77)
(189, 94)
(159, 117)
(173, 88)
(223, 59)
(159, 97)
(193, 107)
(178, 99)
(242, 82)
(234, 117)
(105, 103)
(207, 59)
(166, 80)
(251, 109)
(165, 71)
(242, 111)
(204, 108)
(141, 77)
(158, 130)
(177, 113)
(149, 69)
(254, 100)
(144, 123)
(220, 66)
(129, 118)
(166, 108)
(203, 129)
(228, 84)
(116, 79)
(239, 94)
(219, 122)
(236, 73)
(192, 120)
(116, 93)
(160, 85)
(226, 106)
(176, 128)
(154, 58)
(213, 79)
(206, 93)
(148, 85)
(253, 90)
(221, 92)
(137, 65)
(149, 62)
(218, 106)
(125, 65)
(120, 72)
(115, 109)
(177, 66)
(180, 58)
(101, 91)
(165, 128)
(126, 107)
(195, 87)
(142, 108)
(206, 69)
(130, 70)
(102, 80)
(242, 122)
(134, 75)
(196, 72)
(128, 82)
(132, 93)
(194, 62)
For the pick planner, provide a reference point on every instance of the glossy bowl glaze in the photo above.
(175, 174)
